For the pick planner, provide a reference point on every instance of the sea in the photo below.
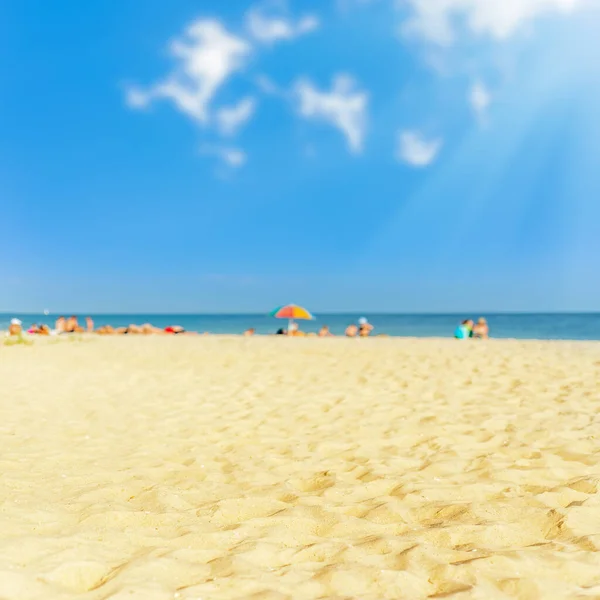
(573, 326)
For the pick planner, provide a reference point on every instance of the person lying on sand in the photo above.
(145, 329)
(132, 329)
(39, 330)
(110, 330)
(324, 332)
(175, 329)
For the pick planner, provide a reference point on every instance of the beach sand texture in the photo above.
(213, 468)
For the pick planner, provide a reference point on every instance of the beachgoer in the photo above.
(250, 332)
(293, 329)
(72, 325)
(89, 324)
(174, 329)
(15, 334)
(60, 325)
(15, 328)
(33, 328)
(465, 330)
(324, 332)
(364, 327)
(351, 331)
(481, 330)
(281, 331)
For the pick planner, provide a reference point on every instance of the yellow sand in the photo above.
(162, 468)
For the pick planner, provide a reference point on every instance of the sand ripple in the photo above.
(220, 468)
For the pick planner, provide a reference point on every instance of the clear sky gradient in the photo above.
(368, 155)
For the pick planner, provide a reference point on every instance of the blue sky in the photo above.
(373, 155)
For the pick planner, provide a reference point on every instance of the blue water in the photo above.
(519, 326)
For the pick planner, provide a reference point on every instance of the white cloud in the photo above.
(416, 150)
(479, 98)
(435, 20)
(234, 157)
(206, 57)
(136, 98)
(231, 118)
(268, 86)
(344, 107)
(269, 30)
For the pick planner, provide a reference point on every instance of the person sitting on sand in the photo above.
(249, 332)
(60, 325)
(465, 330)
(72, 325)
(293, 330)
(351, 331)
(324, 332)
(33, 329)
(15, 328)
(364, 327)
(481, 330)
(15, 334)
(281, 331)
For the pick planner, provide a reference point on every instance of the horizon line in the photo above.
(323, 313)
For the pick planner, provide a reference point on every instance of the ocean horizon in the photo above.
(541, 326)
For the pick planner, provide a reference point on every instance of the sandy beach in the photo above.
(220, 468)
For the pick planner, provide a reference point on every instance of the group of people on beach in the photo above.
(66, 325)
(70, 325)
(363, 329)
(469, 329)
(466, 330)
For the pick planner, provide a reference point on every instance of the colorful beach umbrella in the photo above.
(291, 312)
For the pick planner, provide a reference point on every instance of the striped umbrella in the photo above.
(291, 312)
